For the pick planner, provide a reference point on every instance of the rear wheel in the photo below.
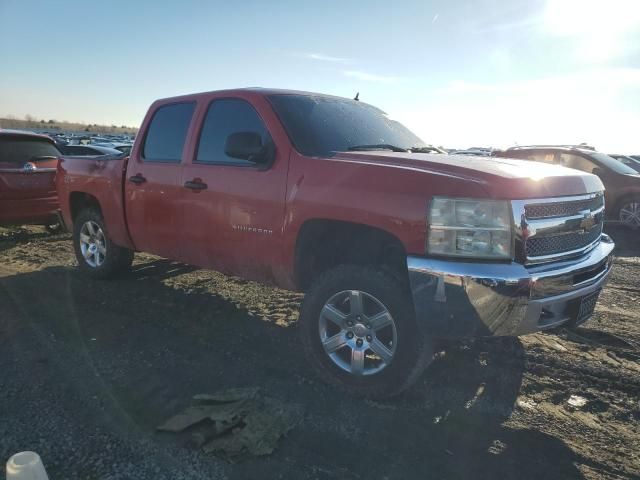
(629, 213)
(97, 255)
(359, 331)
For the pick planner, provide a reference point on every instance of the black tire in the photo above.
(413, 351)
(116, 259)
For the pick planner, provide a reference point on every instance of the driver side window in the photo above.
(225, 117)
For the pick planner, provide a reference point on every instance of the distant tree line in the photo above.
(31, 122)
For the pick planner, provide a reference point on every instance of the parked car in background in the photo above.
(94, 140)
(88, 150)
(27, 179)
(395, 249)
(122, 147)
(622, 183)
(627, 160)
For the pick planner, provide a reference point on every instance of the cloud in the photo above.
(607, 79)
(597, 106)
(520, 24)
(325, 58)
(370, 77)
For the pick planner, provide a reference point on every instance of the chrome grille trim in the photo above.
(561, 243)
(563, 209)
(541, 239)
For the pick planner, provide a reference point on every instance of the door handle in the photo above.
(137, 179)
(196, 185)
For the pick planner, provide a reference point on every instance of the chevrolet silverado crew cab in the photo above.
(394, 248)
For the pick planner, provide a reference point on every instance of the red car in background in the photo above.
(27, 179)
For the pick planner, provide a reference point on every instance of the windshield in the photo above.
(320, 126)
(18, 151)
(624, 159)
(612, 164)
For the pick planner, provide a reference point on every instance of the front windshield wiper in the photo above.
(426, 149)
(376, 146)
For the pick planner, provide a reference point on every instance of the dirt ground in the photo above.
(88, 370)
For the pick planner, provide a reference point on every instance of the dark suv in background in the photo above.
(622, 183)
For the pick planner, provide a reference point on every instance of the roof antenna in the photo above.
(357, 97)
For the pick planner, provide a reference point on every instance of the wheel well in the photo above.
(324, 244)
(613, 211)
(78, 201)
(625, 198)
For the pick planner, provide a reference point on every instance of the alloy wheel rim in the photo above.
(93, 244)
(357, 332)
(630, 214)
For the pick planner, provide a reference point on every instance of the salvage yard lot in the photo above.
(88, 370)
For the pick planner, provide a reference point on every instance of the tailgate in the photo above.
(33, 182)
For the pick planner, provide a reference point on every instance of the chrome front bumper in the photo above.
(471, 299)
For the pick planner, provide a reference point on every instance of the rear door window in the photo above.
(544, 157)
(167, 133)
(18, 151)
(224, 117)
(577, 161)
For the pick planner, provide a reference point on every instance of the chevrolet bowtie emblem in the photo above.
(588, 221)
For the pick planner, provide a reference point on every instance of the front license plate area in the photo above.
(586, 306)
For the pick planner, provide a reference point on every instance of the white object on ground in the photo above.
(26, 466)
(577, 401)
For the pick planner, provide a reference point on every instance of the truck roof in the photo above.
(260, 91)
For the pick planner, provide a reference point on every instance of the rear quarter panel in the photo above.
(102, 179)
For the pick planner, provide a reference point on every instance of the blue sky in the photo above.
(458, 73)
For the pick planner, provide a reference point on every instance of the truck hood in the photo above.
(503, 178)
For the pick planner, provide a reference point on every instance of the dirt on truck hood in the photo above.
(500, 177)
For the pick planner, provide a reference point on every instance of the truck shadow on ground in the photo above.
(145, 344)
(10, 236)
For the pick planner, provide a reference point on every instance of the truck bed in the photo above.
(101, 177)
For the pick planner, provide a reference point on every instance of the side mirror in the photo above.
(246, 146)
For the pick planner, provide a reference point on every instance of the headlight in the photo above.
(470, 228)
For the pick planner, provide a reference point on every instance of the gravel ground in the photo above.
(88, 369)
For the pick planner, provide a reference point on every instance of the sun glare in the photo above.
(601, 30)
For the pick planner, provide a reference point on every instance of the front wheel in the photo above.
(629, 213)
(97, 255)
(359, 331)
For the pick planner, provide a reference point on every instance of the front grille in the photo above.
(556, 228)
(563, 209)
(564, 242)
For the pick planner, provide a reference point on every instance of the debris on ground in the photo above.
(235, 423)
(577, 401)
(525, 403)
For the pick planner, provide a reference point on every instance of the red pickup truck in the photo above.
(27, 179)
(395, 248)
